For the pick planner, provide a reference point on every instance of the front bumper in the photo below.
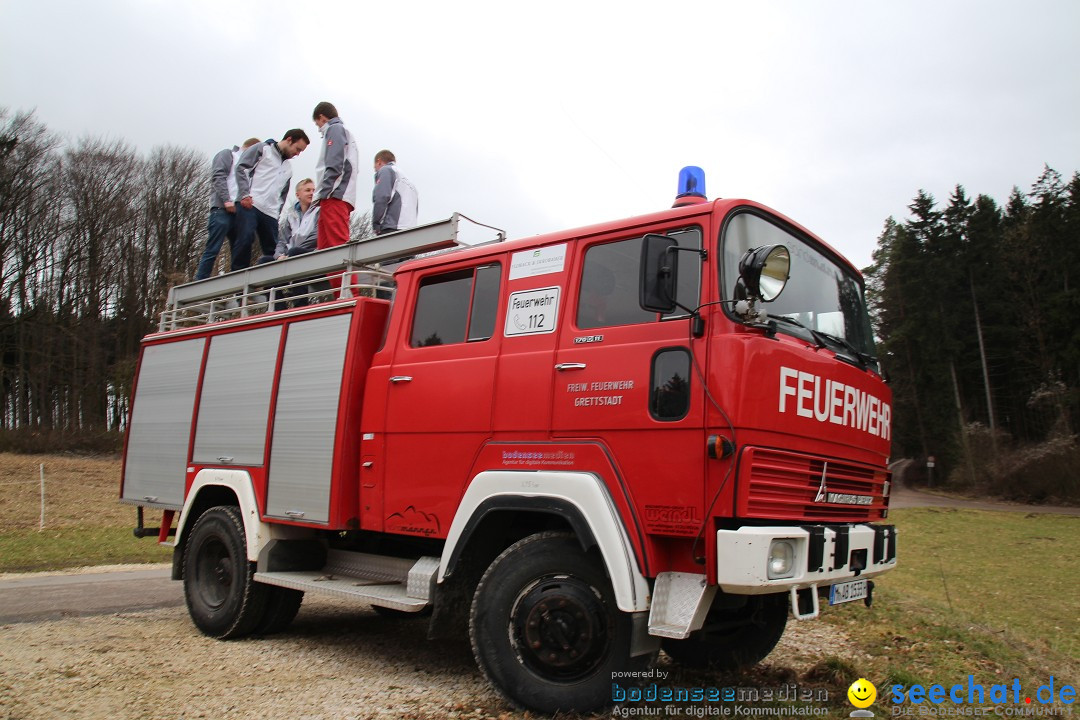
(823, 555)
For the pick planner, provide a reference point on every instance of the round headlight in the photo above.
(765, 271)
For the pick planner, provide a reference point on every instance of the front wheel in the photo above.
(545, 628)
(223, 599)
(733, 638)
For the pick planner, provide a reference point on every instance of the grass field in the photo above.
(991, 594)
(85, 524)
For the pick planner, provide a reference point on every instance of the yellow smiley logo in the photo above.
(862, 693)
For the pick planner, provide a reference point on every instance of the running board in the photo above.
(394, 596)
(398, 583)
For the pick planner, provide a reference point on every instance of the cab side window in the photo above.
(669, 394)
(609, 282)
(456, 307)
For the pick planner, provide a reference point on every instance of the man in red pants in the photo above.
(335, 179)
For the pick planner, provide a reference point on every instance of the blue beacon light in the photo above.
(691, 186)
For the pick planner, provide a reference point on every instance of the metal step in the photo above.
(398, 583)
(680, 603)
(392, 596)
(365, 566)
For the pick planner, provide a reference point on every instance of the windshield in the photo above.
(821, 295)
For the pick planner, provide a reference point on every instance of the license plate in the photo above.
(847, 591)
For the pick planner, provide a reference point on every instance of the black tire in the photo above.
(282, 604)
(223, 599)
(733, 639)
(545, 628)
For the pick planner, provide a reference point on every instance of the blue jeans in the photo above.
(220, 226)
(249, 223)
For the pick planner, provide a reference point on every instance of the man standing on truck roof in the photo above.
(396, 202)
(221, 223)
(335, 176)
(262, 181)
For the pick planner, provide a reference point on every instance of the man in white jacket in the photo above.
(262, 181)
(395, 202)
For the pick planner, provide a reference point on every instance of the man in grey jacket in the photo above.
(395, 200)
(262, 184)
(220, 225)
(335, 176)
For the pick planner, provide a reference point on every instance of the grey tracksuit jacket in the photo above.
(335, 173)
(396, 202)
(222, 179)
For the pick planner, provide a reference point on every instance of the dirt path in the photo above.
(51, 596)
(338, 660)
(903, 497)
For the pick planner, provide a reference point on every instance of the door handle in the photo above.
(401, 379)
(570, 366)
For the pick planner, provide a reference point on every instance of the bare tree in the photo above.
(91, 237)
(101, 179)
(29, 213)
(360, 227)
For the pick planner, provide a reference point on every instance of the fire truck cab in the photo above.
(668, 431)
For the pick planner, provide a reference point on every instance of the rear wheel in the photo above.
(223, 599)
(282, 604)
(733, 638)
(545, 628)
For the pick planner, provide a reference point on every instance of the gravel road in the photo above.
(337, 661)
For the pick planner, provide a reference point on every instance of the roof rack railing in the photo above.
(205, 300)
(304, 293)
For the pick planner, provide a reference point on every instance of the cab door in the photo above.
(626, 378)
(438, 394)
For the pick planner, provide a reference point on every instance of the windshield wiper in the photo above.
(819, 341)
(825, 339)
(866, 358)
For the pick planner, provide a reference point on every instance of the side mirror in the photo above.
(765, 271)
(659, 274)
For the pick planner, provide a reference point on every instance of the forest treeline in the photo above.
(976, 306)
(92, 235)
(977, 313)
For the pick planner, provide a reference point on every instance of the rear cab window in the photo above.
(456, 307)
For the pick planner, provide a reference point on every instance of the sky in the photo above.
(538, 117)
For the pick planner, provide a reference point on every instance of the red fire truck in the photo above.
(668, 431)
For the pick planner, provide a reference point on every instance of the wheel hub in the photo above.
(560, 628)
(215, 570)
